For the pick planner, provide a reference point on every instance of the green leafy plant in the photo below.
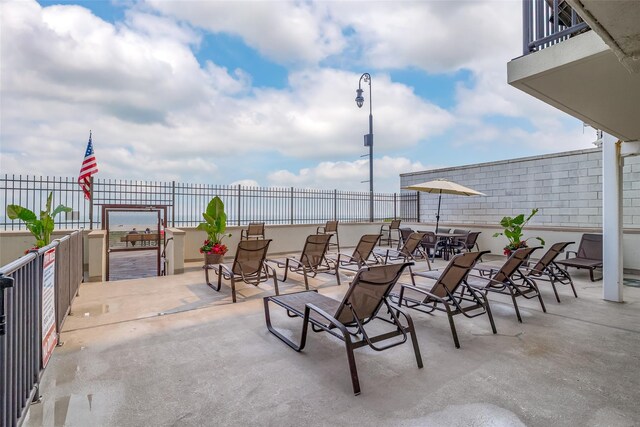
(40, 228)
(513, 231)
(215, 225)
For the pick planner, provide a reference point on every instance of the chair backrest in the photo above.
(250, 256)
(513, 263)
(472, 238)
(455, 272)
(429, 239)
(590, 247)
(315, 249)
(395, 224)
(405, 233)
(461, 239)
(411, 244)
(444, 230)
(365, 246)
(550, 256)
(369, 288)
(331, 227)
(256, 229)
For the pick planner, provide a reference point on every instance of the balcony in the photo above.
(591, 75)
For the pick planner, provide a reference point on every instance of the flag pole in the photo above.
(91, 203)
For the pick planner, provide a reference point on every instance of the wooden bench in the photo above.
(139, 237)
(589, 254)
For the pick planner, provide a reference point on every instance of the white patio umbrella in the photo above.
(442, 186)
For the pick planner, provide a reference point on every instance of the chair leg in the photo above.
(206, 276)
(555, 291)
(515, 304)
(233, 289)
(306, 280)
(338, 241)
(452, 325)
(414, 340)
(305, 327)
(573, 288)
(352, 364)
(487, 307)
(535, 286)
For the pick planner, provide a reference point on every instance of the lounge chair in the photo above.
(548, 270)
(449, 291)
(365, 300)
(468, 243)
(389, 230)
(589, 254)
(248, 266)
(410, 249)
(254, 231)
(508, 279)
(312, 261)
(360, 257)
(330, 228)
(405, 232)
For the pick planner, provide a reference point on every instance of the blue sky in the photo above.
(262, 93)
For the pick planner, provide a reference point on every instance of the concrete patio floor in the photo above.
(170, 351)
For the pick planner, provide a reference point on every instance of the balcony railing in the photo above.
(548, 22)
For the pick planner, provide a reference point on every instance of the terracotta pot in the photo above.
(213, 259)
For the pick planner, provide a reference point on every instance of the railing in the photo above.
(548, 22)
(186, 202)
(21, 321)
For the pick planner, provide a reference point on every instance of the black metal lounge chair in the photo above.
(367, 299)
(449, 293)
(254, 231)
(331, 228)
(410, 249)
(589, 254)
(360, 257)
(508, 279)
(548, 270)
(389, 230)
(248, 266)
(312, 261)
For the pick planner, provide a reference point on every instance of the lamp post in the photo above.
(368, 139)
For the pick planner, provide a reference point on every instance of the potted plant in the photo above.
(215, 226)
(41, 228)
(513, 232)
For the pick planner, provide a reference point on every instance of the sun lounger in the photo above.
(366, 300)
(548, 270)
(330, 228)
(589, 254)
(360, 257)
(254, 231)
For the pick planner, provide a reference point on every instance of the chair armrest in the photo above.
(489, 280)
(332, 320)
(318, 230)
(244, 233)
(420, 291)
(566, 254)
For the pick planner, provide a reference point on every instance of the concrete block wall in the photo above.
(565, 187)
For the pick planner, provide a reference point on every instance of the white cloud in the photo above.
(341, 175)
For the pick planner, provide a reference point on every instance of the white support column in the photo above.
(612, 219)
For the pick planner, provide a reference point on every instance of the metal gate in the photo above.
(135, 238)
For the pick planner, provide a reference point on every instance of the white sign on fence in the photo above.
(49, 335)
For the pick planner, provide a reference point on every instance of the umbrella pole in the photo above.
(438, 214)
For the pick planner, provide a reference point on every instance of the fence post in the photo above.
(173, 204)
(291, 205)
(335, 204)
(395, 205)
(239, 207)
(418, 206)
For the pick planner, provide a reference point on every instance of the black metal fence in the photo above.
(547, 22)
(186, 202)
(21, 321)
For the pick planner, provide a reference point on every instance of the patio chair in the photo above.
(589, 254)
(547, 270)
(467, 244)
(367, 299)
(330, 228)
(360, 256)
(248, 266)
(450, 292)
(431, 244)
(410, 249)
(508, 280)
(254, 231)
(312, 261)
(389, 230)
(405, 232)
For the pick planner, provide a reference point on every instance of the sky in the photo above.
(262, 93)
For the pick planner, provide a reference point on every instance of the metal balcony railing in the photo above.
(548, 22)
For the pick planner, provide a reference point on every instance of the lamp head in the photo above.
(359, 98)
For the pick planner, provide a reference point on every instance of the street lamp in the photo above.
(368, 139)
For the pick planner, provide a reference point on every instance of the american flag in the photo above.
(88, 168)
